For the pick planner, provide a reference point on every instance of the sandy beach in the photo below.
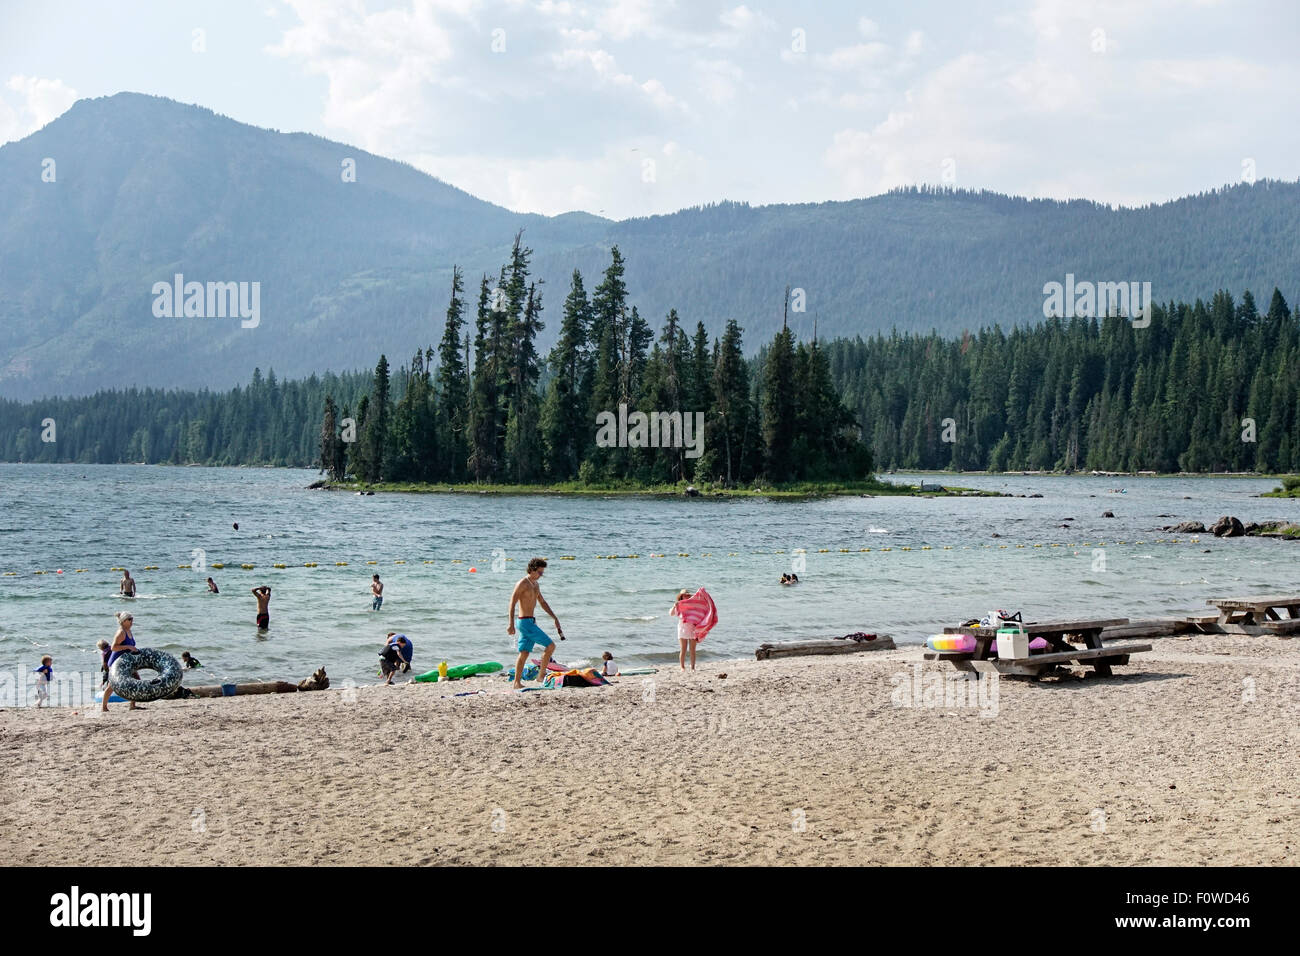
(1188, 756)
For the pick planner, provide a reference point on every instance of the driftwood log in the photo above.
(1156, 627)
(883, 642)
(317, 681)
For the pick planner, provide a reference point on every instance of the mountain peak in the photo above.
(353, 252)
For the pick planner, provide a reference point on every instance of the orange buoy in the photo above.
(473, 570)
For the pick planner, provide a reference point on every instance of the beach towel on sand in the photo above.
(578, 677)
(699, 610)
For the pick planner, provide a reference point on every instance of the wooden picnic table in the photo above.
(1260, 614)
(1060, 636)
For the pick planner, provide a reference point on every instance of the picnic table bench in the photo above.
(1060, 637)
(1256, 615)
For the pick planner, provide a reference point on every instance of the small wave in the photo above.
(644, 617)
(877, 531)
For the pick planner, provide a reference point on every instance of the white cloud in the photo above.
(606, 69)
(378, 65)
(1234, 77)
(743, 19)
(855, 57)
(38, 101)
(955, 113)
(718, 80)
(552, 9)
(624, 19)
(580, 36)
(590, 90)
(592, 183)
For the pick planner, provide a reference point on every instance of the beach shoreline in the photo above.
(1186, 757)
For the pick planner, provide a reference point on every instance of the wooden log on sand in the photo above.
(1156, 627)
(317, 681)
(882, 642)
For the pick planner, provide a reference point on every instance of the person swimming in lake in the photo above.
(188, 660)
(263, 595)
(127, 585)
(123, 643)
(212, 586)
(377, 592)
(685, 631)
(528, 594)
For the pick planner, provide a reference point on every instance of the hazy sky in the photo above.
(632, 107)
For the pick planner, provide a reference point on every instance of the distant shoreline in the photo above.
(832, 488)
(575, 490)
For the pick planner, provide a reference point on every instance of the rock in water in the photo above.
(1187, 527)
(1108, 514)
(1227, 527)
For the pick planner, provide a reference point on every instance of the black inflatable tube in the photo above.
(137, 688)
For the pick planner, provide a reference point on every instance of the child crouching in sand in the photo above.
(685, 631)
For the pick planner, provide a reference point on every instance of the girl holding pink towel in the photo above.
(696, 614)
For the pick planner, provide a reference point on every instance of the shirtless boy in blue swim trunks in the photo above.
(528, 594)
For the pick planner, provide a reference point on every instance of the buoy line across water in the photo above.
(284, 566)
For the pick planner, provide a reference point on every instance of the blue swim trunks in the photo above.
(530, 634)
(377, 603)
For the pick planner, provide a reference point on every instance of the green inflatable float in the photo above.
(459, 671)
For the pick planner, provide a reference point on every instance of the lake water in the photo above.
(98, 517)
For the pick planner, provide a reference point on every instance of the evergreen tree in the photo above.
(732, 432)
(565, 422)
(375, 434)
(482, 460)
(778, 406)
(329, 440)
(523, 445)
(452, 389)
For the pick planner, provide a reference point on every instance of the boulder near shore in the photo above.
(1228, 527)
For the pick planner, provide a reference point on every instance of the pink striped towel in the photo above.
(699, 610)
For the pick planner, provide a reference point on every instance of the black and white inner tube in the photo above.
(139, 689)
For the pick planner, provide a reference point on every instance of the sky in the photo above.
(635, 107)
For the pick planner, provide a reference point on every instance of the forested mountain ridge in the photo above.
(145, 188)
(1208, 386)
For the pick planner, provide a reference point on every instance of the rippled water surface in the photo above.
(97, 517)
